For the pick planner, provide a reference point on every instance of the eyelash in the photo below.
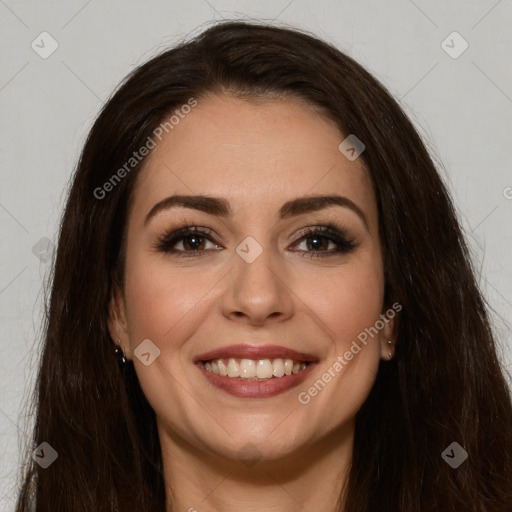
(330, 232)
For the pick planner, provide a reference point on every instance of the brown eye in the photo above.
(318, 241)
(191, 239)
(193, 242)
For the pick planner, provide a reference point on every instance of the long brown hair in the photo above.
(445, 384)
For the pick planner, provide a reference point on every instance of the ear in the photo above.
(117, 325)
(389, 333)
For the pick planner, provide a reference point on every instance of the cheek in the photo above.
(159, 297)
(347, 300)
(166, 305)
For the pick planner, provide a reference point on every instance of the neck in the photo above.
(312, 478)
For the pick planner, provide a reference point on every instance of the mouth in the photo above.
(255, 371)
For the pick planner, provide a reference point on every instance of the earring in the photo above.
(121, 359)
(390, 354)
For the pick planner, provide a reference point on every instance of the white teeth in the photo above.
(223, 369)
(278, 368)
(249, 369)
(233, 369)
(264, 369)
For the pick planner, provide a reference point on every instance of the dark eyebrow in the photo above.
(308, 204)
(212, 205)
(220, 207)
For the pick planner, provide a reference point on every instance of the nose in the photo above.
(258, 291)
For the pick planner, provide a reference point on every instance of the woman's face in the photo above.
(251, 287)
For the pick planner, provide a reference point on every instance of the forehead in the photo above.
(264, 152)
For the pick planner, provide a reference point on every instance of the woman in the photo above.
(257, 231)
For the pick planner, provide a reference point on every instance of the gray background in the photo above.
(462, 107)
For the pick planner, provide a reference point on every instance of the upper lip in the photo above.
(255, 352)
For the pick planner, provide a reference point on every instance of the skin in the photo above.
(257, 156)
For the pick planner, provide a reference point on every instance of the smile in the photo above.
(254, 369)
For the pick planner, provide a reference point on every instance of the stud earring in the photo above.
(390, 354)
(121, 359)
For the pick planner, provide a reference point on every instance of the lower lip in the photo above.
(253, 388)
